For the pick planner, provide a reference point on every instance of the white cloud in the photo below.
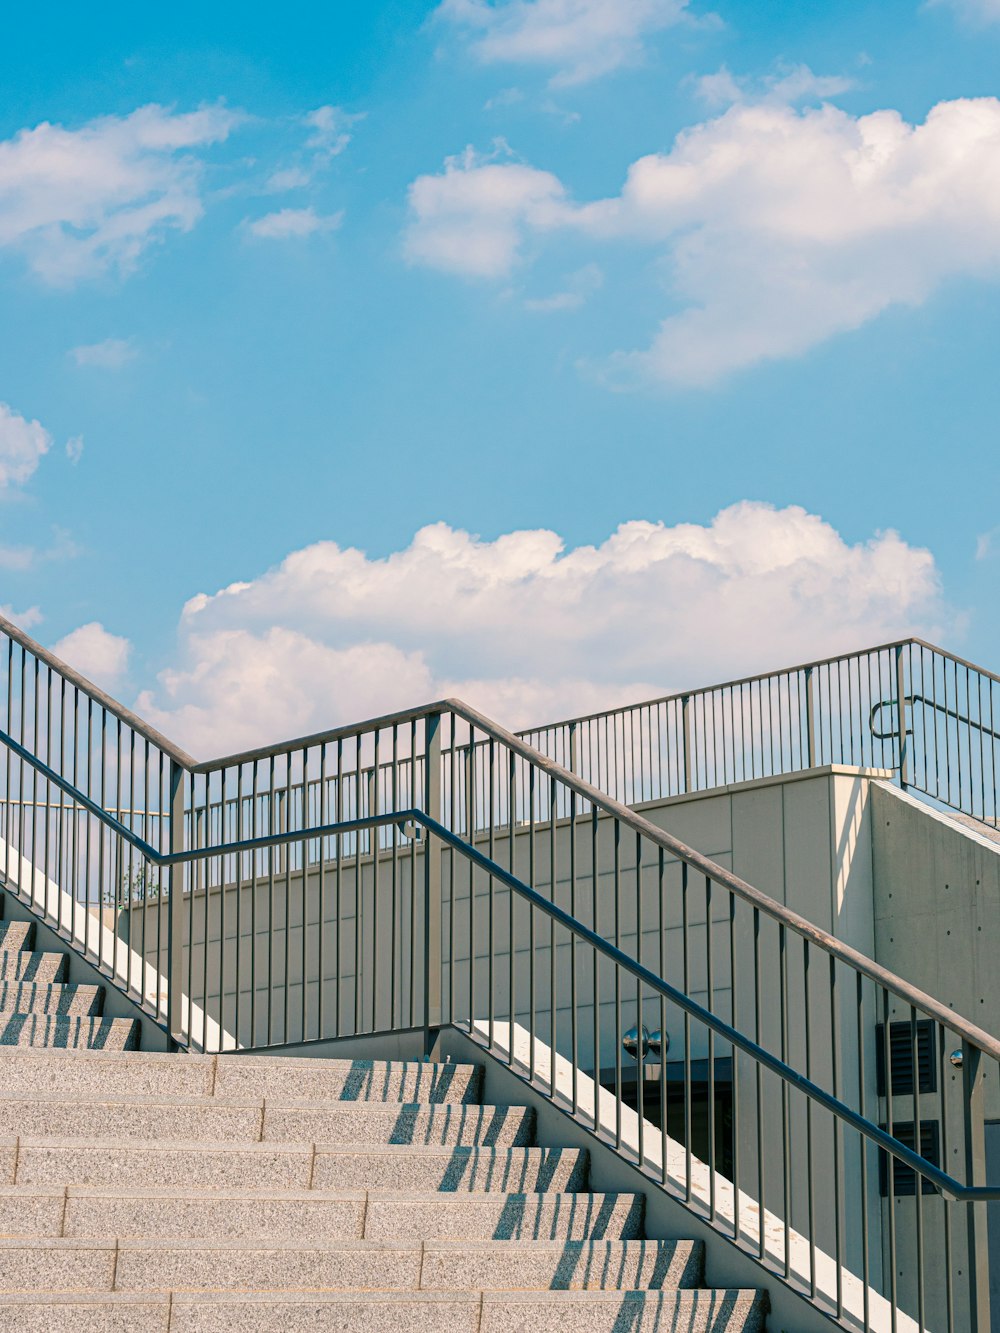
(332, 129)
(473, 218)
(577, 39)
(973, 11)
(23, 444)
(780, 227)
(25, 620)
(74, 448)
(579, 286)
(787, 86)
(290, 178)
(111, 354)
(94, 652)
(78, 201)
(527, 630)
(291, 223)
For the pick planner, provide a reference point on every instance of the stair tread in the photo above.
(53, 999)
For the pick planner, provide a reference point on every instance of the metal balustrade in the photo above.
(430, 868)
(839, 710)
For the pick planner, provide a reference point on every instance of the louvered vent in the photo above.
(904, 1177)
(901, 1057)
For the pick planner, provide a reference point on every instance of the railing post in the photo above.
(975, 1174)
(432, 881)
(686, 733)
(573, 748)
(810, 719)
(904, 758)
(175, 908)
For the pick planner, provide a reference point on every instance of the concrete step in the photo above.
(151, 1074)
(112, 1034)
(544, 1265)
(347, 1080)
(373, 1122)
(28, 965)
(403, 1312)
(298, 1265)
(228, 1120)
(380, 1215)
(405, 1215)
(60, 1313)
(29, 997)
(731, 1311)
(185, 1214)
(72, 1074)
(101, 1161)
(16, 936)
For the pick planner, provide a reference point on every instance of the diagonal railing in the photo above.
(283, 895)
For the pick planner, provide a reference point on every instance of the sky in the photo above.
(552, 353)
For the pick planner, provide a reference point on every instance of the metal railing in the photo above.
(286, 896)
(837, 710)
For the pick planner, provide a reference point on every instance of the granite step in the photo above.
(728, 1311)
(69, 1032)
(380, 1215)
(231, 1120)
(45, 969)
(151, 1073)
(298, 1265)
(29, 997)
(16, 936)
(105, 1161)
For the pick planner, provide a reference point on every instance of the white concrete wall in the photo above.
(937, 918)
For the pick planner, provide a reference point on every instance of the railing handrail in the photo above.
(193, 765)
(98, 695)
(946, 1183)
(779, 912)
(988, 1044)
(970, 1032)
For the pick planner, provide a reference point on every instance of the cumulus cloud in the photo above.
(526, 629)
(578, 39)
(973, 11)
(23, 444)
(293, 223)
(579, 286)
(94, 652)
(780, 227)
(332, 129)
(788, 85)
(79, 201)
(472, 218)
(25, 620)
(110, 354)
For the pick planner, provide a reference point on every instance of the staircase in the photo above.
(177, 1192)
(39, 1008)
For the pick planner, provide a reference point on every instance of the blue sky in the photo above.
(280, 282)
